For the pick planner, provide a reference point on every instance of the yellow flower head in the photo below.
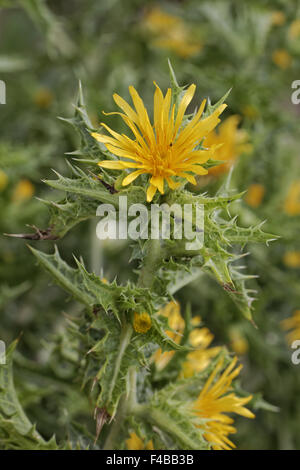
(294, 30)
(3, 180)
(278, 18)
(171, 33)
(292, 324)
(282, 58)
(141, 322)
(23, 191)
(135, 443)
(292, 259)
(165, 150)
(231, 141)
(292, 202)
(177, 323)
(255, 195)
(214, 401)
(198, 360)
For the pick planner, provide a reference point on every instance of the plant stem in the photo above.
(151, 265)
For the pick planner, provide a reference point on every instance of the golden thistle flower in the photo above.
(292, 202)
(282, 59)
(141, 322)
(255, 195)
(23, 191)
(294, 29)
(199, 338)
(214, 401)
(3, 180)
(278, 18)
(292, 259)
(177, 323)
(198, 360)
(293, 324)
(165, 150)
(232, 142)
(135, 443)
(171, 33)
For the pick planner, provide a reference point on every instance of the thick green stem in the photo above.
(151, 265)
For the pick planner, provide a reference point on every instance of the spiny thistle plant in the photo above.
(145, 363)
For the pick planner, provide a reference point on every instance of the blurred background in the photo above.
(252, 47)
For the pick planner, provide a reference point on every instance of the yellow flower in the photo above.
(199, 338)
(141, 322)
(232, 142)
(292, 202)
(165, 150)
(238, 342)
(3, 180)
(43, 98)
(293, 324)
(177, 323)
(135, 443)
(214, 401)
(294, 30)
(292, 259)
(255, 195)
(278, 18)
(23, 191)
(171, 33)
(282, 58)
(198, 360)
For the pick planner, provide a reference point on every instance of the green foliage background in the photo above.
(46, 47)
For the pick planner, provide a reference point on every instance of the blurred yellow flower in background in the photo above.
(43, 98)
(292, 259)
(165, 150)
(293, 324)
(171, 33)
(172, 312)
(23, 191)
(294, 29)
(292, 201)
(278, 18)
(255, 195)
(199, 338)
(238, 342)
(141, 322)
(282, 58)
(135, 443)
(232, 141)
(214, 401)
(3, 180)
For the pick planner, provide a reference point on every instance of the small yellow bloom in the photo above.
(165, 150)
(177, 323)
(214, 401)
(255, 195)
(238, 342)
(171, 33)
(282, 58)
(141, 322)
(3, 180)
(232, 142)
(135, 443)
(293, 324)
(23, 191)
(198, 360)
(43, 98)
(292, 259)
(294, 30)
(292, 201)
(278, 18)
